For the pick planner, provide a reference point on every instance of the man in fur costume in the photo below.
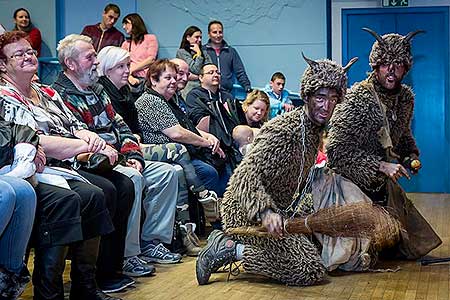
(371, 143)
(267, 181)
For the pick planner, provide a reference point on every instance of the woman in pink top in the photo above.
(143, 47)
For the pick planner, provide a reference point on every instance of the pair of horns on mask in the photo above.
(380, 40)
(313, 63)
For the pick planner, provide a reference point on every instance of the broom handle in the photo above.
(289, 226)
(425, 262)
(249, 230)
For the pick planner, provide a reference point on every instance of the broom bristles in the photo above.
(360, 219)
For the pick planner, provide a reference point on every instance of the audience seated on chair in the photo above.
(91, 105)
(71, 218)
(279, 97)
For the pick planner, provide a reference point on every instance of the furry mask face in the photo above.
(324, 74)
(391, 48)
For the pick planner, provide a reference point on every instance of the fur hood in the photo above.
(324, 74)
(391, 48)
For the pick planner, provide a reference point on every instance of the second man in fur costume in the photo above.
(371, 143)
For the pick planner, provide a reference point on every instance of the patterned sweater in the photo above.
(94, 108)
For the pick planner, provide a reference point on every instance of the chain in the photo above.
(295, 197)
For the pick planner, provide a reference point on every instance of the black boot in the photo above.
(84, 258)
(49, 266)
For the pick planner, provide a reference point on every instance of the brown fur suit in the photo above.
(354, 151)
(267, 178)
(353, 148)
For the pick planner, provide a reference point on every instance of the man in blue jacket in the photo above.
(225, 58)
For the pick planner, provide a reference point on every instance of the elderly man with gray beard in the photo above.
(158, 181)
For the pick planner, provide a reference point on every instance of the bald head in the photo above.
(183, 73)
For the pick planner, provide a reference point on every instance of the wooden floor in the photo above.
(411, 282)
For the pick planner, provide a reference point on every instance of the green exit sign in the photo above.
(395, 3)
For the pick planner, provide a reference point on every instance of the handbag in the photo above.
(97, 163)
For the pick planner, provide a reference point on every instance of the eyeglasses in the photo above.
(21, 55)
(395, 64)
(322, 99)
(212, 72)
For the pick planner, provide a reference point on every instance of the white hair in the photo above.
(179, 62)
(109, 57)
(67, 47)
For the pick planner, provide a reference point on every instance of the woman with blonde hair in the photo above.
(256, 108)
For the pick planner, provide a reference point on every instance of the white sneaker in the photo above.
(207, 196)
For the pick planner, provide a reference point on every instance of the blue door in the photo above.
(428, 77)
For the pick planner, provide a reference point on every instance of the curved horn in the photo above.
(310, 62)
(349, 64)
(375, 35)
(410, 35)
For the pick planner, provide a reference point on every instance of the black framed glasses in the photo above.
(322, 98)
(212, 72)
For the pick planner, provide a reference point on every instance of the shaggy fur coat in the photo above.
(268, 178)
(355, 152)
(353, 148)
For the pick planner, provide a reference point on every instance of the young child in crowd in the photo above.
(244, 136)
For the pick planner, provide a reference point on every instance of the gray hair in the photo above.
(109, 57)
(67, 47)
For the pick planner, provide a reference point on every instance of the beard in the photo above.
(389, 80)
(88, 78)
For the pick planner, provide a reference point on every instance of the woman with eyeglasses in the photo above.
(22, 21)
(71, 213)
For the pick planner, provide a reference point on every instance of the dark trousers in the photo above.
(65, 218)
(119, 196)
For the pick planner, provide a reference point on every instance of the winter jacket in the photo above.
(230, 64)
(95, 109)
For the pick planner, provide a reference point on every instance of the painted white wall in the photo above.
(336, 25)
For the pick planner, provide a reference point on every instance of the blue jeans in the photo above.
(17, 210)
(213, 180)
